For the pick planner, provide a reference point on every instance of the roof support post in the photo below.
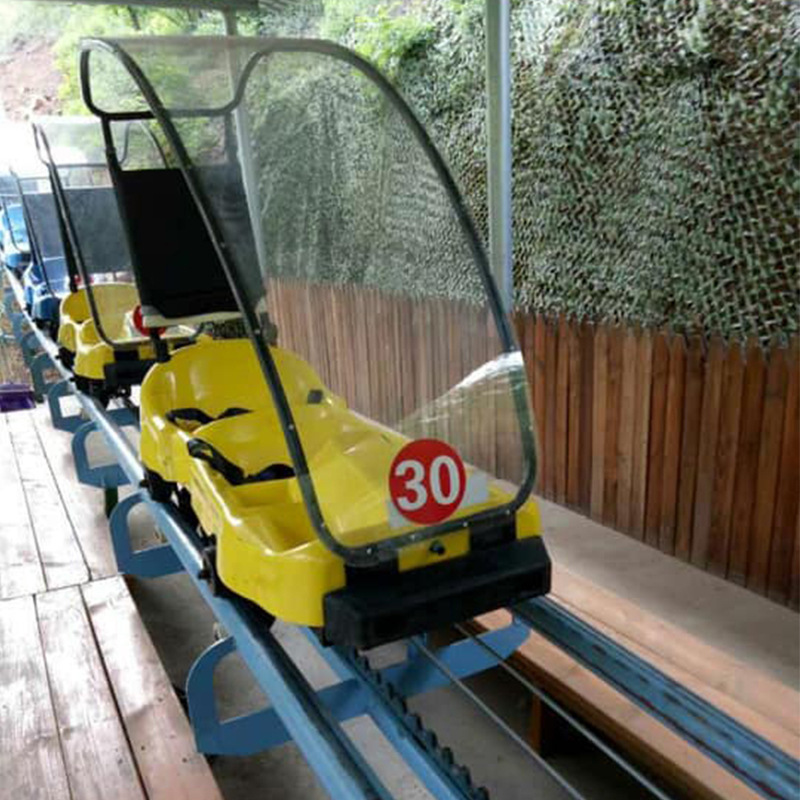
(498, 94)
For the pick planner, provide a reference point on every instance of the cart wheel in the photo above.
(160, 489)
(185, 506)
(66, 358)
(209, 572)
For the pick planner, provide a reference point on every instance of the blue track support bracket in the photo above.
(762, 766)
(18, 322)
(9, 301)
(152, 562)
(62, 422)
(29, 344)
(105, 476)
(261, 730)
(40, 364)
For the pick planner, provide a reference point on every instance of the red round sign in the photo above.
(138, 323)
(427, 481)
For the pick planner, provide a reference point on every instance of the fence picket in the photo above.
(562, 410)
(706, 458)
(673, 424)
(641, 432)
(768, 463)
(574, 414)
(747, 463)
(551, 392)
(614, 389)
(655, 455)
(788, 499)
(587, 414)
(725, 467)
(627, 415)
(540, 396)
(599, 419)
(690, 447)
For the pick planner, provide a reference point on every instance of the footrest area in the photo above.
(403, 604)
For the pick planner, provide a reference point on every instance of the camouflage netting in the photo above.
(657, 158)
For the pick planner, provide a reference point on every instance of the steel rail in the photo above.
(758, 763)
(495, 717)
(568, 716)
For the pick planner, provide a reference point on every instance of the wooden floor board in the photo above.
(96, 751)
(159, 732)
(87, 711)
(59, 552)
(83, 504)
(20, 568)
(31, 764)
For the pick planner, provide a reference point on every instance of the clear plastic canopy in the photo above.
(367, 263)
(73, 149)
(45, 235)
(13, 220)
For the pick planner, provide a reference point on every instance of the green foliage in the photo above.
(385, 33)
(467, 15)
(24, 22)
(386, 38)
(119, 21)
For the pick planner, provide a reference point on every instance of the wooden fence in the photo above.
(691, 447)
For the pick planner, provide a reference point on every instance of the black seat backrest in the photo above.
(176, 268)
(42, 214)
(98, 228)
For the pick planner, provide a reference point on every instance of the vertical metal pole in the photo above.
(498, 93)
(246, 152)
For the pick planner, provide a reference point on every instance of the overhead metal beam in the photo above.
(186, 5)
(498, 93)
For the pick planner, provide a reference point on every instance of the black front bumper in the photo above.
(403, 604)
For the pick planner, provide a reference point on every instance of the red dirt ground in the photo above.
(29, 82)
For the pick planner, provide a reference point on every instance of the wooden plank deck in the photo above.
(86, 708)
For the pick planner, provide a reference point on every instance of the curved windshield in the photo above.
(37, 203)
(13, 233)
(13, 224)
(366, 264)
(74, 150)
